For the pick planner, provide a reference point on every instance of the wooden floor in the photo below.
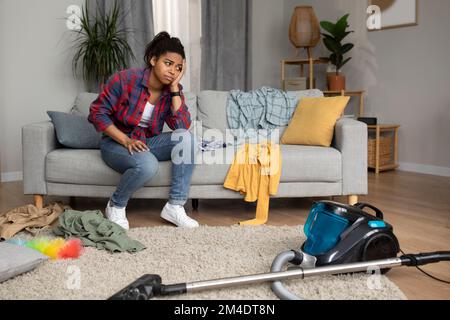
(417, 205)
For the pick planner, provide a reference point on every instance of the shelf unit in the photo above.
(302, 62)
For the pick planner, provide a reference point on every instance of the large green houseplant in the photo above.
(101, 47)
(333, 41)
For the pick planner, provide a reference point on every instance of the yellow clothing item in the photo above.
(255, 173)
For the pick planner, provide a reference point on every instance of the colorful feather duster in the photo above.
(54, 248)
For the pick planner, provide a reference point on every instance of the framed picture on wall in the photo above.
(397, 13)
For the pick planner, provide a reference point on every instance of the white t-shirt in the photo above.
(146, 115)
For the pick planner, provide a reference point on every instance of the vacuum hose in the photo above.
(277, 266)
(414, 260)
(294, 257)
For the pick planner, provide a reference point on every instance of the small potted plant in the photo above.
(100, 47)
(333, 42)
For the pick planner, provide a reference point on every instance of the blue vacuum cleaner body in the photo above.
(338, 234)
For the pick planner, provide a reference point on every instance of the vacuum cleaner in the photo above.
(340, 239)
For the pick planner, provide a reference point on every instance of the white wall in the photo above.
(36, 74)
(267, 39)
(414, 88)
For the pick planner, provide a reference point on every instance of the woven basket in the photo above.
(385, 151)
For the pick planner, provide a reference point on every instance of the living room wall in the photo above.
(413, 87)
(412, 83)
(36, 74)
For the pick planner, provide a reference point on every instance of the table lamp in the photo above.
(304, 30)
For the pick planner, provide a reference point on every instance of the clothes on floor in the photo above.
(95, 231)
(255, 173)
(29, 218)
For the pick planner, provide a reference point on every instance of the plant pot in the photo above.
(336, 82)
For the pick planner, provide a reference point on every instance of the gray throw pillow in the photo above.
(75, 131)
(15, 260)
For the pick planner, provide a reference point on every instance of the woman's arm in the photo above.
(124, 140)
(101, 111)
(174, 87)
(179, 117)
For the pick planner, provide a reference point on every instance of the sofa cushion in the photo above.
(299, 164)
(74, 131)
(310, 164)
(212, 110)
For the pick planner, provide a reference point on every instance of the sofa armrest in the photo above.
(351, 140)
(38, 139)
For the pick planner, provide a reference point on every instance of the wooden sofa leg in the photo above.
(352, 199)
(195, 204)
(39, 201)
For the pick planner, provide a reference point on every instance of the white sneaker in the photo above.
(176, 215)
(117, 215)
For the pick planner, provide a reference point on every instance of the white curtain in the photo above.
(182, 19)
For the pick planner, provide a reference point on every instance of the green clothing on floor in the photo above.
(95, 231)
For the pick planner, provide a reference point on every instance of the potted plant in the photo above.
(333, 42)
(101, 47)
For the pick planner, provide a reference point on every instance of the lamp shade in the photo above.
(304, 30)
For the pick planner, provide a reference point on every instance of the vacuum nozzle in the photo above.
(144, 288)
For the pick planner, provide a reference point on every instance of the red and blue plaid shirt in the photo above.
(122, 102)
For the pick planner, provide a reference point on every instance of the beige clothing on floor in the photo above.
(29, 218)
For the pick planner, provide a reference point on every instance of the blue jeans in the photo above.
(139, 168)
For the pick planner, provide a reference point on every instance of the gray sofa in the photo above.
(307, 171)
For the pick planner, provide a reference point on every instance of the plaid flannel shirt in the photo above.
(122, 102)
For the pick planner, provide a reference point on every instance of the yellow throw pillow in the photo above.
(314, 120)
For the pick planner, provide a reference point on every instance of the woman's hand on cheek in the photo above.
(174, 84)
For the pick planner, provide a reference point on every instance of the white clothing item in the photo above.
(146, 115)
(176, 215)
(206, 145)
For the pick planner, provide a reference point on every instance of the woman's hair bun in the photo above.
(161, 44)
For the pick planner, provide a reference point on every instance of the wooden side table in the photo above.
(380, 132)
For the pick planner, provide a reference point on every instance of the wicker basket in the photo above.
(385, 151)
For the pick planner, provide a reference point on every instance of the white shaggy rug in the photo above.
(183, 255)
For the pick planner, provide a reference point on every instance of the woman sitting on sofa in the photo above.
(130, 111)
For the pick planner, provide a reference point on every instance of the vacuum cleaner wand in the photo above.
(150, 285)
